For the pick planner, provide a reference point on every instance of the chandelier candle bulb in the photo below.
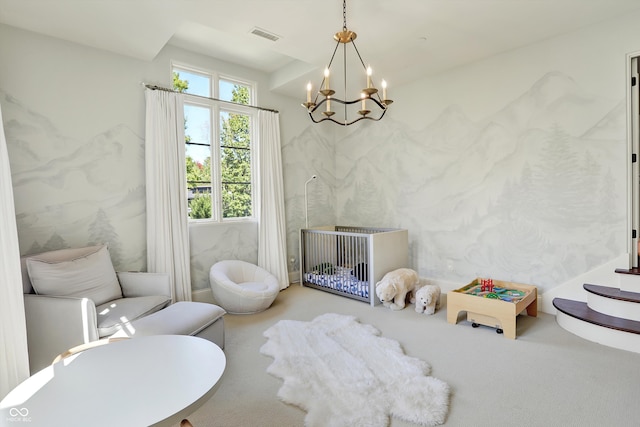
(309, 92)
(384, 89)
(369, 72)
(326, 78)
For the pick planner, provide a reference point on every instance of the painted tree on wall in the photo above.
(366, 204)
(55, 242)
(608, 198)
(558, 181)
(101, 231)
(35, 248)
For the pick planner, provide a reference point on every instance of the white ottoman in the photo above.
(182, 318)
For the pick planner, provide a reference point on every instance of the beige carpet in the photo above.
(546, 377)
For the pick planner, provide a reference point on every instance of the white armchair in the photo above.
(241, 287)
(74, 296)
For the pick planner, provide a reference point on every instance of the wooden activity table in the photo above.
(493, 312)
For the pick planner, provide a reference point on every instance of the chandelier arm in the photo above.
(328, 67)
(331, 119)
(371, 118)
(372, 84)
(340, 101)
(333, 55)
(366, 118)
(358, 52)
(379, 103)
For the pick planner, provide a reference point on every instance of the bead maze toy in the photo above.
(493, 303)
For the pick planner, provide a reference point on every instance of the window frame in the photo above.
(253, 135)
(217, 107)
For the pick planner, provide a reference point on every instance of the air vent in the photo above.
(264, 34)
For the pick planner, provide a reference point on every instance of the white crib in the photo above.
(349, 261)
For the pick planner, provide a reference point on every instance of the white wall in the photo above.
(74, 121)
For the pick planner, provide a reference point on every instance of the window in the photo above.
(218, 143)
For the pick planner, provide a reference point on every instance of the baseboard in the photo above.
(202, 295)
(572, 289)
(294, 277)
(445, 285)
(604, 275)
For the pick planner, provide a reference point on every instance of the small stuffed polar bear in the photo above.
(427, 299)
(392, 290)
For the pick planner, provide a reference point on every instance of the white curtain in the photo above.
(167, 222)
(272, 244)
(14, 362)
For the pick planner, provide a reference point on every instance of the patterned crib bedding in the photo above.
(343, 280)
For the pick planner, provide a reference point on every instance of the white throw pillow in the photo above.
(91, 276)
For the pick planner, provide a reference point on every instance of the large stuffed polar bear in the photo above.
(392, 290)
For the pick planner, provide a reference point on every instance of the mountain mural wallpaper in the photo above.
(67, 193)
(533, 193)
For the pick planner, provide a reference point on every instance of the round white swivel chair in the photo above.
(241, 287)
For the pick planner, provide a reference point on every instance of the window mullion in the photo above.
(216, 174)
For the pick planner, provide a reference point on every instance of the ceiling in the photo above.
(403, 40)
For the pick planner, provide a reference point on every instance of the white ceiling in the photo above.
(402, 39)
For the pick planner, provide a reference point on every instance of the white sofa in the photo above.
(74, 296)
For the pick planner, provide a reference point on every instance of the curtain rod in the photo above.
(155, 87)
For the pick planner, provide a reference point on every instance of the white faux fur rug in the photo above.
(343, 373)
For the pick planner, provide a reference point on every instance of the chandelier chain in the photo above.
(344, 15)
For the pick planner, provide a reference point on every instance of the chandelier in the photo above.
(367, 105)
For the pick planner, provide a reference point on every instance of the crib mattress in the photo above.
(342, 282)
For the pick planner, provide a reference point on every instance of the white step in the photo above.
(599, 334)
(629, 281)
(613, 302)
(578, 318)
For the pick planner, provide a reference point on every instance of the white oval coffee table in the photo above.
(144, 381)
